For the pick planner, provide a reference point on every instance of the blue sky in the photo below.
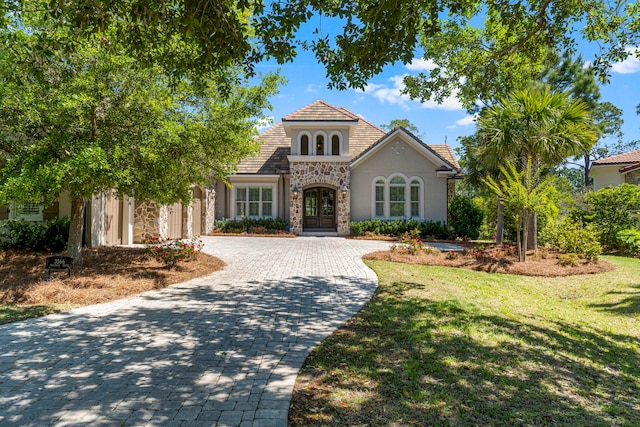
(382, 102)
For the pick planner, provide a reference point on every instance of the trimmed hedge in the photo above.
(251, 225)
(398, 228)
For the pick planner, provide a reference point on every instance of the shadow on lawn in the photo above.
(629, 304)
(425, 362)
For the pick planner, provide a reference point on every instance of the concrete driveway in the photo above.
(220, 350)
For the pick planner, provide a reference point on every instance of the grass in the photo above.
(446, 346)
(14, 312)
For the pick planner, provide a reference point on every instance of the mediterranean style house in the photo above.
(322, 167)
(319, 169)
(616, 170)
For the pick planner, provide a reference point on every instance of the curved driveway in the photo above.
(219, 350)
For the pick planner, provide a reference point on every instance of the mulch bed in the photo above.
(107, 273)
(506, 264)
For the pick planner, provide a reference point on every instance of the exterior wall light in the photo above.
(344, 190)
(296, 191)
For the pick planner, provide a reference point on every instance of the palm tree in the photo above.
(535, 126)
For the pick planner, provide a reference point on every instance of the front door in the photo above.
(319, 208)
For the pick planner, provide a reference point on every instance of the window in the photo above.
(335, 145)
(304, 145)
(254, 202)
(415, 198)
(320, 145)
(379, 198)
(27, 211)
(393, 198)
(397, 197)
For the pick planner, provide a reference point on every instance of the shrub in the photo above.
(613, 209)
(465, 218)
(172, 251)
(573, 236)
(629, 241)
(51, 235)
(568, 259)
(251, 225)
(398, 228)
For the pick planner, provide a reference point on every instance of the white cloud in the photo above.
(628, 66)
(312, 88)
(466, 120)
(418, 64)
(392, 94)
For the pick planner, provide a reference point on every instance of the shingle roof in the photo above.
(630, 157)
(321, 111)
(276, 145)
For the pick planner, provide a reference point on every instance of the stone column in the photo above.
(209, 214)
(145, 221)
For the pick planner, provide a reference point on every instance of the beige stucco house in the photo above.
(616, 170)
(114, 221)
(323, 166)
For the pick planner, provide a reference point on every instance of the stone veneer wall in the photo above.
(209, 210)
(632, 177)
(313, 174)
(146, 220)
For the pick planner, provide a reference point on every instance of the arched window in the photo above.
(304, 145)
(320, 145)
(379, 208)
(335, 145)
(397, 197)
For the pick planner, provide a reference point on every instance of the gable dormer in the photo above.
(319, 130)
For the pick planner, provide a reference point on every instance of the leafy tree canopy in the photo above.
(405, 123)
(92, 120)
(480, 49)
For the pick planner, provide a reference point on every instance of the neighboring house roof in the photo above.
(276, 145)
(630, 157)
(628, 161)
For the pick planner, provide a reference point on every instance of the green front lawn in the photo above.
(444, 346)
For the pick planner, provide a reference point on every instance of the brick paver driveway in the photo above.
(220, 350)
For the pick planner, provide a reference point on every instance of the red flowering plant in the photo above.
(172, 251)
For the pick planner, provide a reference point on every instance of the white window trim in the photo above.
(274, 200)
(13, 214)
(340, 148)
(315, 143)
(311, 142)
(407, 198)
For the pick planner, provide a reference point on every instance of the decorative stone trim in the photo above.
(145, 220)
(209, 210)
(313, 174)
(632, 177)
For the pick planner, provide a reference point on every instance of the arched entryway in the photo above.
(319, 209)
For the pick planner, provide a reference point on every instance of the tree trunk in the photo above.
(525, 235)
(500, 224)
(74, 245)
(532, 242)
(587, 169)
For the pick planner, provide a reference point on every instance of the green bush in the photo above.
(465, 218)
(628, 241)
(613, 209)
(247, 225)
(398, 228)
(573, 236)
(51, 235)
